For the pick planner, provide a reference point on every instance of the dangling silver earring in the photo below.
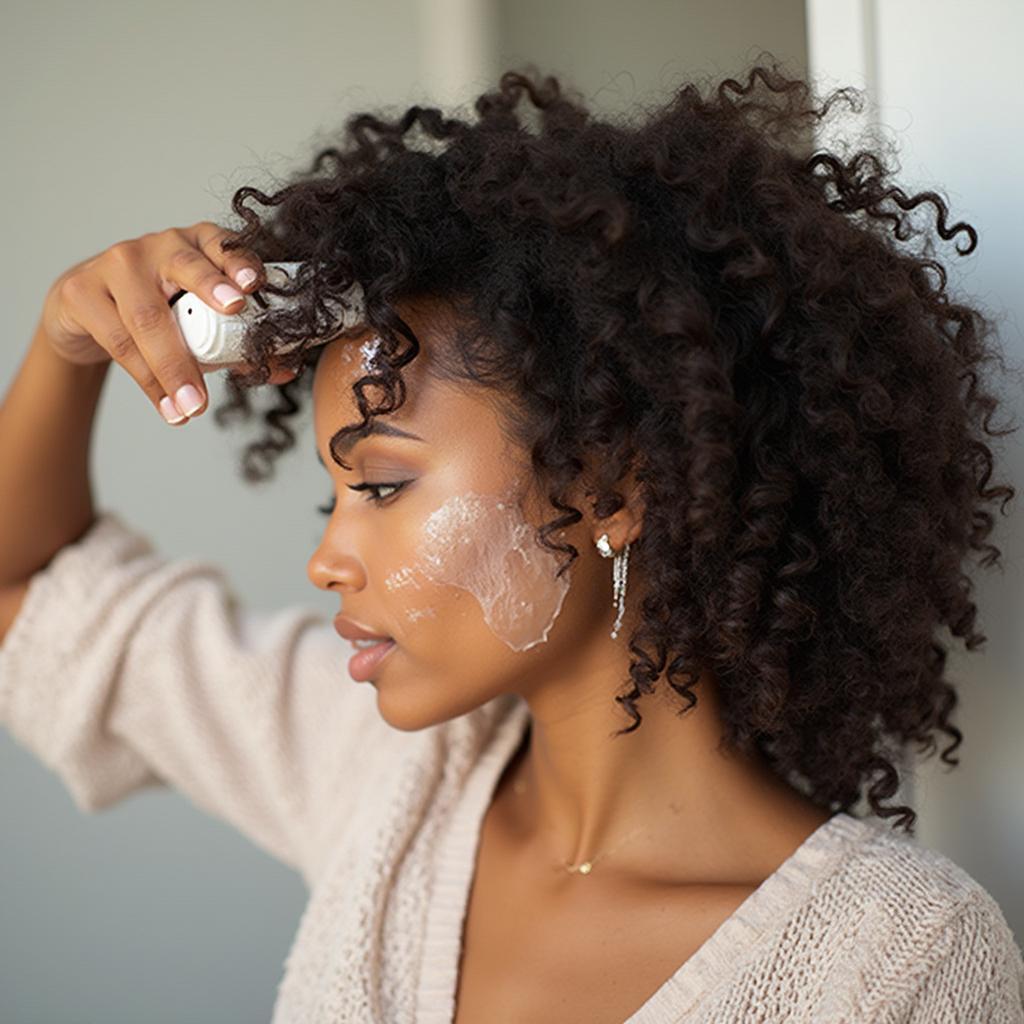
(620, 567)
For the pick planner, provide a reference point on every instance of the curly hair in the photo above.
(697, 294)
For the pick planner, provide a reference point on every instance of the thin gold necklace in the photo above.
(519, 787)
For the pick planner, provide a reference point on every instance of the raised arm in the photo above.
(46, 425)
(122, 669)
(111, 307)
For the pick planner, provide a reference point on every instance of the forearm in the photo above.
(46, 424)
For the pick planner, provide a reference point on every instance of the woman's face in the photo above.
(446, 564)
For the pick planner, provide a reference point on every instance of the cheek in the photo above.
(480, 545)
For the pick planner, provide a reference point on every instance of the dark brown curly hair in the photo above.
(698, 294)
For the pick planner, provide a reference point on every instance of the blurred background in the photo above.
(121, 118)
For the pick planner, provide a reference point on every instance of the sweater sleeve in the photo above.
(976, 972)
(125, 670)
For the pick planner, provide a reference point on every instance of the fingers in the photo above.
(120, 302)
(105, 321)
(282, 376)
(154, 352)
(147, 341)
(190, 259)
(242, 267)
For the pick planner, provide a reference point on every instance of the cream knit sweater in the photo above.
(125, 670)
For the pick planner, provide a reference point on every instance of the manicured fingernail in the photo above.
(188, 399)
(245, 277)
(169, 412)
(226, 295)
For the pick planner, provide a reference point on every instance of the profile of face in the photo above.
(441, 553)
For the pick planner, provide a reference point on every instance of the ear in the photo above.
(625, 525)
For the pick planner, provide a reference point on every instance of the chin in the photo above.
(412, 708)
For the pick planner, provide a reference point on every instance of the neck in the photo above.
(691, 810)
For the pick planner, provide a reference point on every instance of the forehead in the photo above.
(459, 420)
(345, 360)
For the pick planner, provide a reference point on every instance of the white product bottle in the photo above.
(215, 338)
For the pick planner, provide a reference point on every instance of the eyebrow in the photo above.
(341, 447)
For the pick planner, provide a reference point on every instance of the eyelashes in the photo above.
(373, 495)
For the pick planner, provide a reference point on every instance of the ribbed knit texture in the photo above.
(125, 670)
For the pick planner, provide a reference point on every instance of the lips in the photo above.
(349, 629)
(364, 665)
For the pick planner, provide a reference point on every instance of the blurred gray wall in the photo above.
(941, 83)
(621, 54)
(123, 118)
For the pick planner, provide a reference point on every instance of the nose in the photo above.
(332, 569)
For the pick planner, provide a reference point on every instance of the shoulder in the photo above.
(929, 929)
(894, 879)
(912, 876)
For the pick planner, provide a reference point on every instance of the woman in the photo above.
(573, 792)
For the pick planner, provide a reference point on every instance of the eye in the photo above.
(374, 497)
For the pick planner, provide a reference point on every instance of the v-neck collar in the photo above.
(736, 938)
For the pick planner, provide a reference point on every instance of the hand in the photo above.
(115, 307)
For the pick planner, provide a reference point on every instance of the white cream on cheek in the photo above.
(482, 544)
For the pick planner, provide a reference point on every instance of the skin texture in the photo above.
(713, 817)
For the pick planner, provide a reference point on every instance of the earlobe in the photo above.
(620, 529)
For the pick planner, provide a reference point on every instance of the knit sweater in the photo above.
(125, 669)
